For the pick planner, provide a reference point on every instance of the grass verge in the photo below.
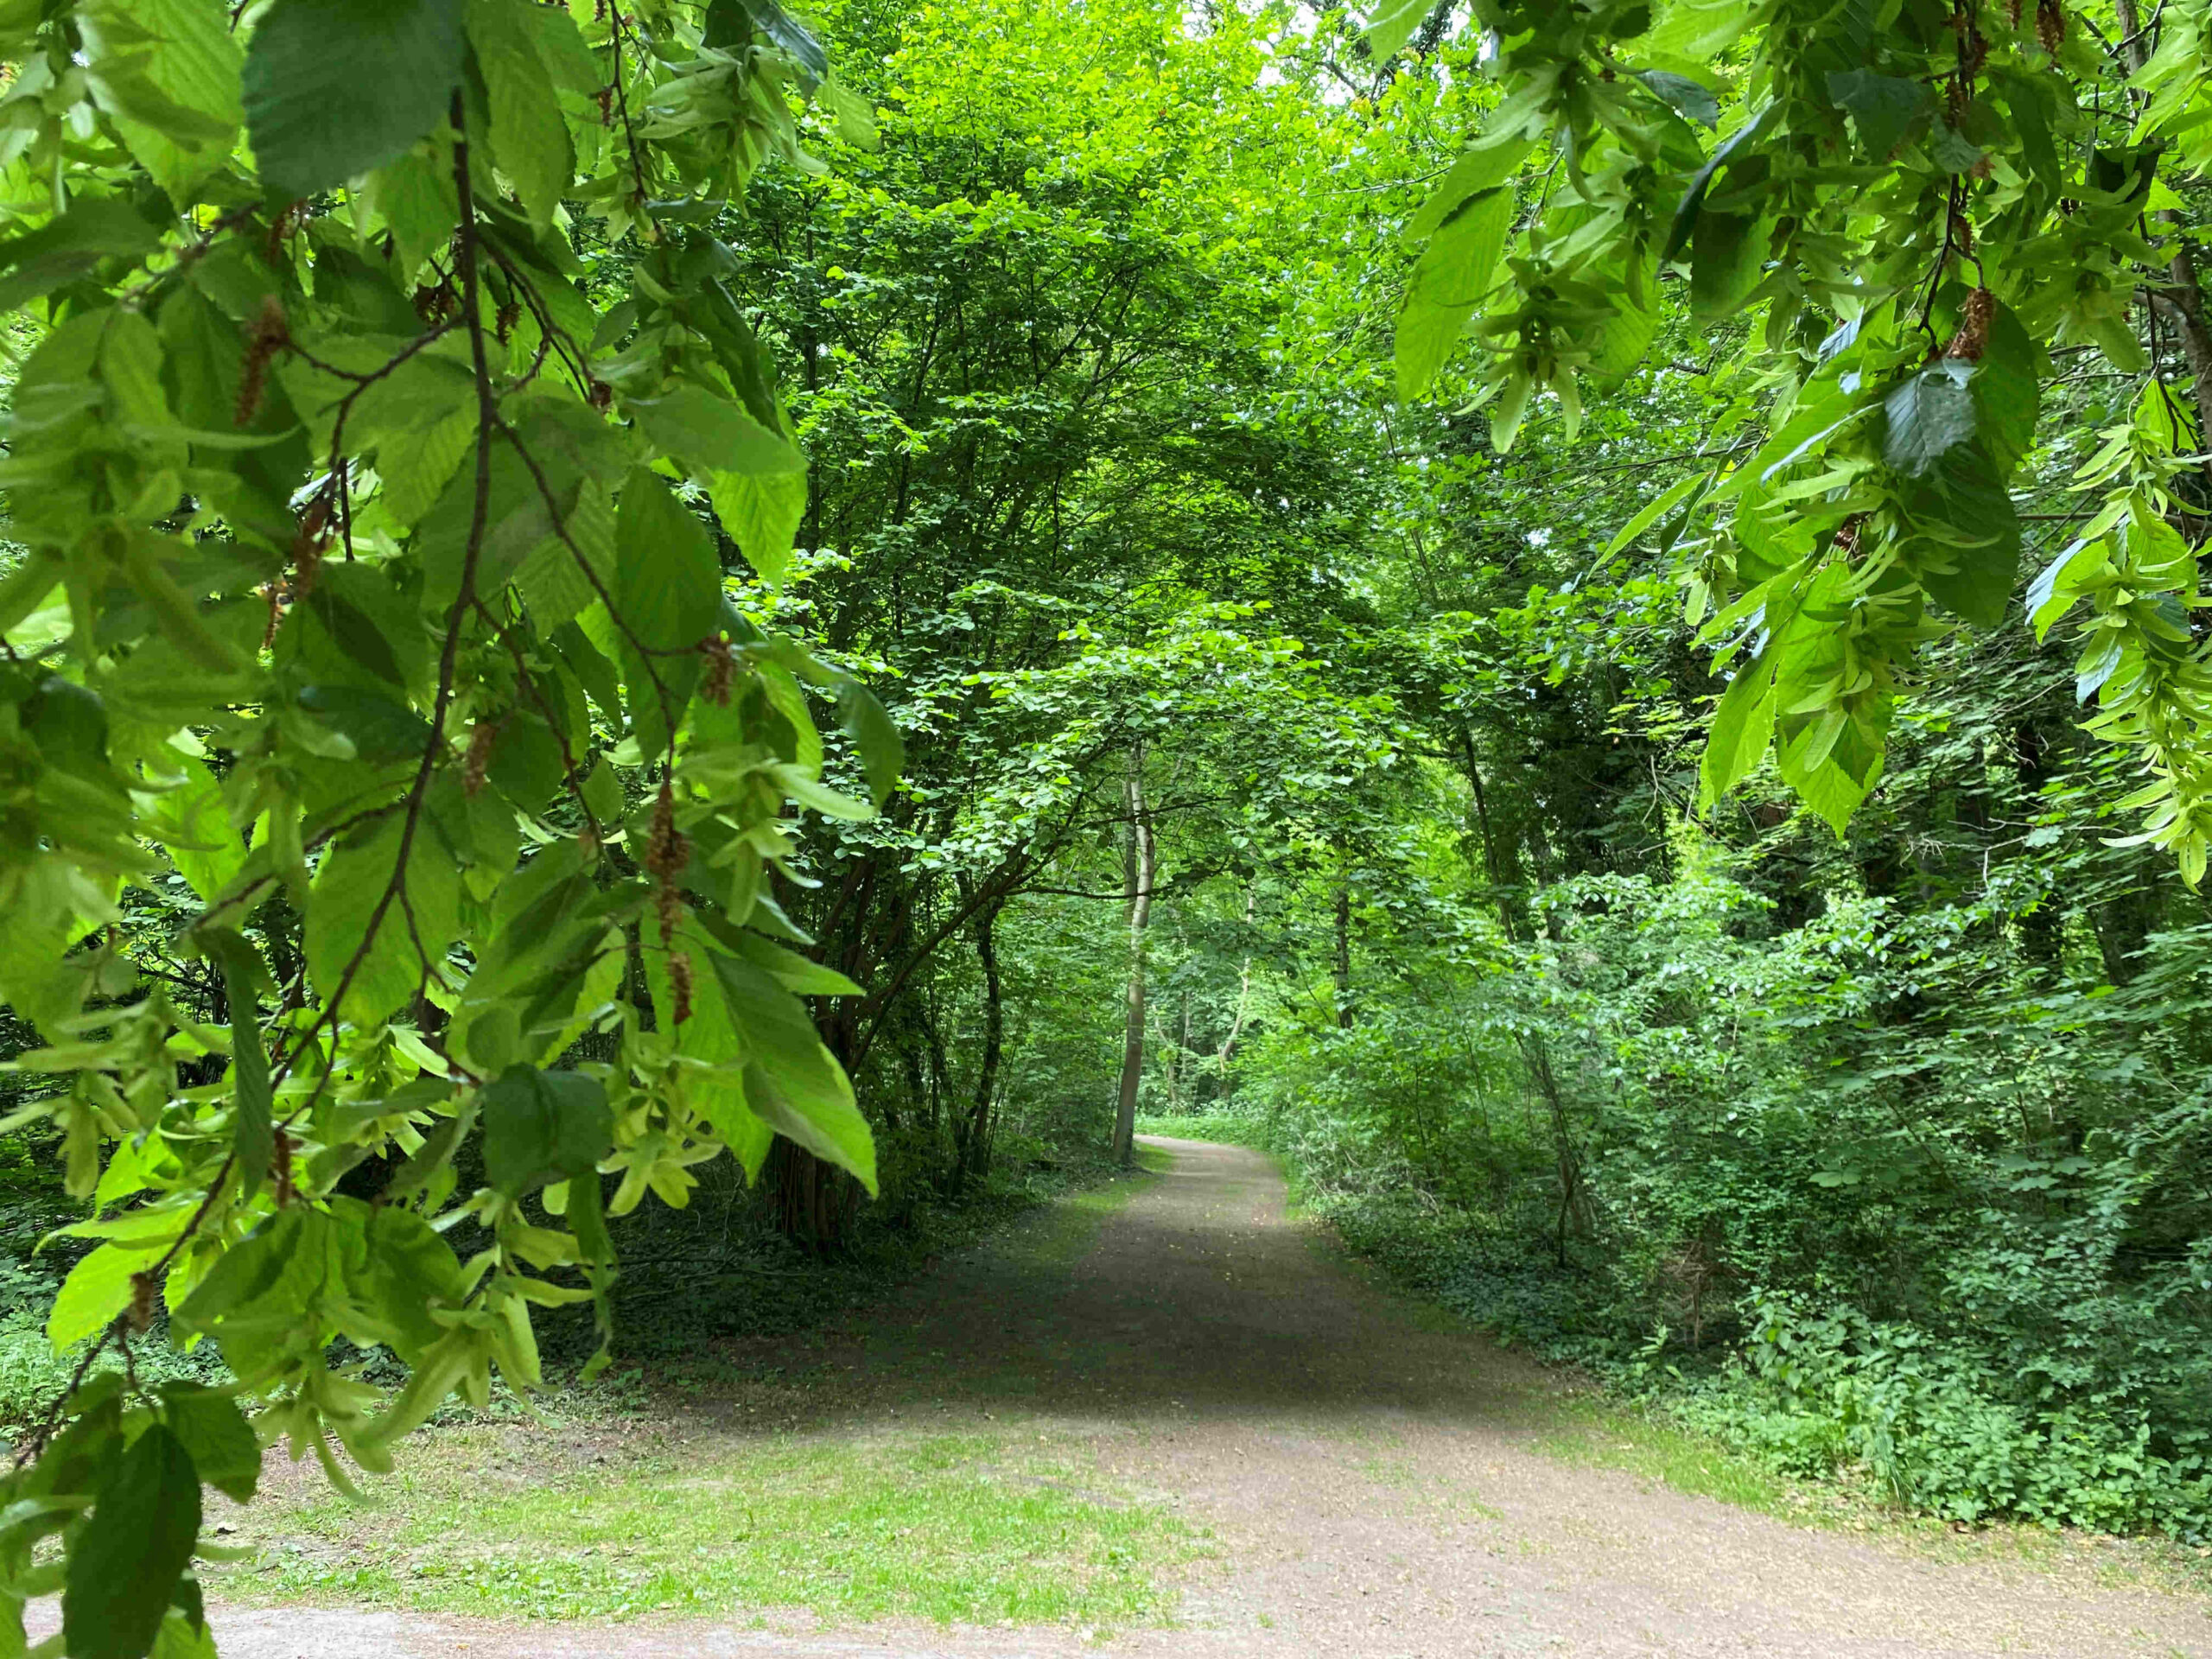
(966, 1529)
(1069, 1228)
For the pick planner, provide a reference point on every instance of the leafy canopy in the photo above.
(1906, 210)
(383, 428)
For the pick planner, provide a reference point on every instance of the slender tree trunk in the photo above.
(1343, 945)
(1138, 864)
(1243, 991)
(973, 1154)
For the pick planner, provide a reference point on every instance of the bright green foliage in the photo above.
(1911, 212)
(370, 615)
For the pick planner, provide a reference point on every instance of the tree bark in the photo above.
(1138, 864)
(1343, 945)
(1244, 998)
(972, 1151)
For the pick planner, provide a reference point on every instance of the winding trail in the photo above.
(1377, 1485)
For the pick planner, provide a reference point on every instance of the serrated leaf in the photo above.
(96, 1291)
(762, 512)
(1928, 415)
(182, 53)
(530, 139)
(215, 1434)
(1883, 108)
(1485, 165)
(1684, 95)
(253, 1135)
(124, 1567)
(793, 1083)
(541, 1126)
(1454, 274)
(336, 88)
(882, 751)
(354, 911)
(1392, 24)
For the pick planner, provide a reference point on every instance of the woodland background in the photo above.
(1883, 1155)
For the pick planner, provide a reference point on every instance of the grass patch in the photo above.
(958, 1528)
(1064, 1233)
(1591, 1432)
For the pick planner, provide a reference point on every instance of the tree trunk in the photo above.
(1343, 946)
(1138, 864)
(1244, 993)
(972, 1135)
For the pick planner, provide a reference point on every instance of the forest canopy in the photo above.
(1583, 617)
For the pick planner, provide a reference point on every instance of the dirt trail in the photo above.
(1375, 1484)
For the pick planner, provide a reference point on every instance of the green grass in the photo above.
(1060, 1237)
(958, 1528)
(1591, 1432)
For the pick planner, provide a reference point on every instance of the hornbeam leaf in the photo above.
(530, 139)
(1883, 107)
(1683, 94)
(1394, 22)
(125, 1567)
(1453, 276)
(1931, 412)
(336, 88)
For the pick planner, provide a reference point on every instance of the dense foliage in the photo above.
(1526, 673)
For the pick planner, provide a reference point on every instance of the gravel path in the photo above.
(1375, 1484)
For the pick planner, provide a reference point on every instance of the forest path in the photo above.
(1374, 1483)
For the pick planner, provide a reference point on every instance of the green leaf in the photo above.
(69, 247)
(1965, 548)
(253, 1135)
(556, 578)
(667, 581)
(1654, 511)
(762, 512)
(1392, 22)
(408, 1275)
(125, 1566)
(193, 822)
(2007, 390)
(1743, 729)
(792, 36)
(714, 435)
(1454, 274)
(793, 1083)
(208, 1424)
(1929, 413)
(530, 139)
(1883, 108)
(1727, 259)
(349, 917)
(97, 1290)
(1691, 207)
(1695, 30)
(156, 61)
(882, 752)
(1485, 165)
(543, 1126)
(1696, 103)
(416, 197)
(668, 587)
(337, 88)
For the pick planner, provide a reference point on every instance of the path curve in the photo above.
(1376, 1482)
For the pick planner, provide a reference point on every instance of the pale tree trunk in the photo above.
(1343, 942)
(1243, 990)
(1138, 865)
